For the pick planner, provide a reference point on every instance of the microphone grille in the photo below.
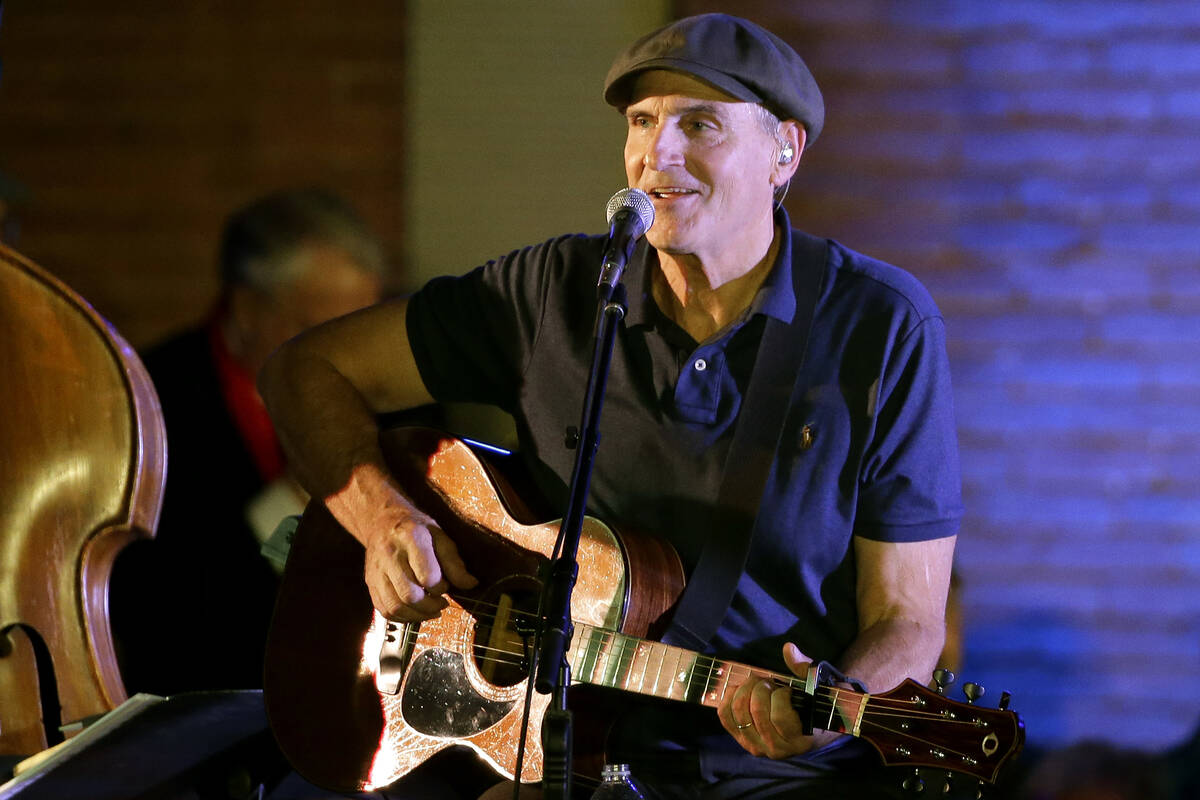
(635, 200)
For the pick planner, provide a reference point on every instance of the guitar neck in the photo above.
(608, 658)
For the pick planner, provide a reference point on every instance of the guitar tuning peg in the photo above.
(941, 679)
(973, 691)
(913, 783)
(1005, 698)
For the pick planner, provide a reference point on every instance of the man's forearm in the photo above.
(324, 425)
(886, 653)
(325, 388)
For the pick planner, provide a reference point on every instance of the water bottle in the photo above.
(616, 783)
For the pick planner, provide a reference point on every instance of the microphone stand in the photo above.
(553, 670)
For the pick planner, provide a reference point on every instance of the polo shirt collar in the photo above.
(775, 298)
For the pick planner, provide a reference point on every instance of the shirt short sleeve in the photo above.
(472, 335)
(910, 486)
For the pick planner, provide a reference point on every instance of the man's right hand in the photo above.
(410, 562)
(325, 390)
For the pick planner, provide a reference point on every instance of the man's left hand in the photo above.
(761, 718)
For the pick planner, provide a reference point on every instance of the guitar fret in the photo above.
(689, 694)
(662, 684)
(699, 674)
(620, 664)
(663, 652)
(718, 682)
(585, 651)
(626, 661)
(605, 656)
(858, 718)
(615, 657)
(687, 675)
(690, 673)
(678, 676)
(599, 643)
(726, 684)
(641, 656)
(713, 670)
(646, 650)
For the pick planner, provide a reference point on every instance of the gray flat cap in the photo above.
(734, 55)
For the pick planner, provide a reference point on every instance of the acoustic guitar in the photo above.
(357, 702)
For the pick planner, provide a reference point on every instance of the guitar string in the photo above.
(824, 703)
(794, 684)
(625, 644)
(467, 604)
(915, 738)
(786, 682)
(871, 720)
(616, 646)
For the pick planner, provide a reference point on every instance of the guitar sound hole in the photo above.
(504, 626)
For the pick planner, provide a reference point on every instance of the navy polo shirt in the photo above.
(880, 459)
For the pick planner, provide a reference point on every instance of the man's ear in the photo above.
(791, 147)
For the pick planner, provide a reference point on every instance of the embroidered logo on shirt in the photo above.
(806, 437)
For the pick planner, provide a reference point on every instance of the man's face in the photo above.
(705, 160)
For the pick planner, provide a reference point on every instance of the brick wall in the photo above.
(1034, 163)
(1037, 165)
(138, 125)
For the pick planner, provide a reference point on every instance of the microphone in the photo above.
(630, 215)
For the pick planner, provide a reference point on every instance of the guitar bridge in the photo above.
(394, 655)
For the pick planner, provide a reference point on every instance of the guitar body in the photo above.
(356, 702)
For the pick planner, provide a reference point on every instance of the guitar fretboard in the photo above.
(608, 658)
(910, 724)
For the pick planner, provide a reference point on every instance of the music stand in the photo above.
(144, 747)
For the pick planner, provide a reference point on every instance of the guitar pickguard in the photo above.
(439, 700)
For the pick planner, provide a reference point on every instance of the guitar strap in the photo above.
(773, 381)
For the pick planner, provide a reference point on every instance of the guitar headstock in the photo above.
(919, 727)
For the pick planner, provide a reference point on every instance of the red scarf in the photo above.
(245, 406)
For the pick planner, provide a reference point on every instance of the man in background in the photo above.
(191, 608)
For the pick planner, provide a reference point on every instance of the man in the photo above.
(192, 606)
(851, 555)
